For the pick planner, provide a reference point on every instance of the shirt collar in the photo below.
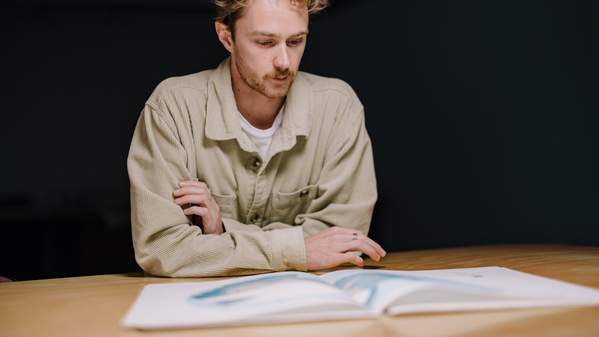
(222, 119)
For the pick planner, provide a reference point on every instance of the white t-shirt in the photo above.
(261, 137)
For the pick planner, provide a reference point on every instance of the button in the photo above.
(304, 193)
(256, 164)
(256, 218)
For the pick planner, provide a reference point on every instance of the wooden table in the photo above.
(93, 306)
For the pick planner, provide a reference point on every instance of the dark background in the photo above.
(483, 117)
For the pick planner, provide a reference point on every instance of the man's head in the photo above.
(266, 39)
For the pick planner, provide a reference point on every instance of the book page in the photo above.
(379, 289)
(283, 296)
(482, 288)
(514, 290)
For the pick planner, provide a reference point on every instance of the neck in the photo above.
(256, 108)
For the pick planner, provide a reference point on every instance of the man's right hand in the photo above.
(338, 245)
(198, 195)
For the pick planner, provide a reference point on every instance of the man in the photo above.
(252, 166)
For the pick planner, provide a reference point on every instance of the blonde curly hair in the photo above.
(229, 11)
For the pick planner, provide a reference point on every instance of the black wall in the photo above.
(483, 117)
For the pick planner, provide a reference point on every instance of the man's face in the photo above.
(270, 38)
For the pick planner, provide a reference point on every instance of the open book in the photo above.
(348, 294)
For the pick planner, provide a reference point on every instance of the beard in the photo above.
(267, 85)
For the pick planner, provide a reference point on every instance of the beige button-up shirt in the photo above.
(318, 173)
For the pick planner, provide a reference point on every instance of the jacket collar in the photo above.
(222, 118)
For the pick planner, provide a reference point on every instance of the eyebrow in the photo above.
(276, 35)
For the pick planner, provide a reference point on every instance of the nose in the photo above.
(281, 60)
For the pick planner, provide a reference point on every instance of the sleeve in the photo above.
(165, 241)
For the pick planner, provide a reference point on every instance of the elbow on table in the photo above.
(157, 263)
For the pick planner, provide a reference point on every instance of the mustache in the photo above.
(283, 73)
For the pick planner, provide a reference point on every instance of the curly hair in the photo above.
(229, 11)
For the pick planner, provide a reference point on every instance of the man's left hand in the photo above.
(202, 203)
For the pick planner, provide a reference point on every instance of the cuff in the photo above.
(288, 249)
(231, 225)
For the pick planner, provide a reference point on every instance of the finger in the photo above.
(344, 237)
(374, 244)
(339, 231)
(363, 246)
(196, 210)
(355, 234)
(190, 190)
(347, 232)
(382, 252)
(192, 183)
(200, 199)
(352, 258)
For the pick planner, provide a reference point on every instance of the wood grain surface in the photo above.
(93, 306)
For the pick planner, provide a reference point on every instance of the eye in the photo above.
(265, 43)
(295, 42)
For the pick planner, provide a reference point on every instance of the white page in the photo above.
(275, 297)
(457, 289)
(377, 289)
(516, 289)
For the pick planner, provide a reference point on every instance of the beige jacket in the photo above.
(319, 173)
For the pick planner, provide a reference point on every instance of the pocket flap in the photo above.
(286, 200)
(225, 201)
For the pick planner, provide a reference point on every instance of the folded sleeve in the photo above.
(166, 242)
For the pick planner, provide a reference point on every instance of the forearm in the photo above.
(183, 251)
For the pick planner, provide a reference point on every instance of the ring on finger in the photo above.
(354, 236)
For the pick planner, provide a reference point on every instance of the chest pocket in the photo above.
(227, 205)
(286, 205)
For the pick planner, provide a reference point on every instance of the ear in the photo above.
(224, 35)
